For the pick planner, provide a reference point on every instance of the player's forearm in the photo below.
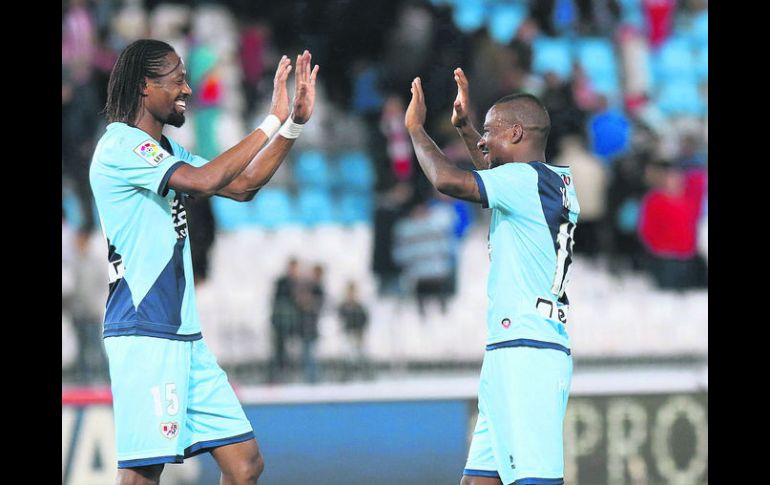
(207, 180)
(436, 166)
(259, 171)
(471, 138)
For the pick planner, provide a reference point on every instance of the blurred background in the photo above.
(347, 301)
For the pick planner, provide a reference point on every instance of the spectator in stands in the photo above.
(668, 224)
(87, 313)
(310, 299)
(80, 103)
(68, 261)
(659, 20)
(285, 316)
(609, 131)
(390, 207)
(355, 319)
(399, 148)
(590, 181)
(423, 249)
(567, 118)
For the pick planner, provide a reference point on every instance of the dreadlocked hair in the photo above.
(142, 58)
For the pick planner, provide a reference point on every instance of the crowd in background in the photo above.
(640, 172)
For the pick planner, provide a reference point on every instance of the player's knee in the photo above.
(247, 472)
(146, 475)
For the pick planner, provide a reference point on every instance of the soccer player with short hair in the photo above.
(171, 399)
(527, 367)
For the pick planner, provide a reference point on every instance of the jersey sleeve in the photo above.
(506, 187)
(140, 161)
(184, 155)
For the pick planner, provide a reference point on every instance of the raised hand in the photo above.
(461, 105)
(279, 105)
(415, 112)
(304, 89)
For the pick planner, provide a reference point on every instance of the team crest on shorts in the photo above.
(506, 322)
(169, 430)
(151, 152)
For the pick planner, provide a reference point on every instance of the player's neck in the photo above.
(150, 125)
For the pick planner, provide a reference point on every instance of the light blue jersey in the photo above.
(534, 212)
(144, 222)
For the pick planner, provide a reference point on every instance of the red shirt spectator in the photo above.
(669, 214)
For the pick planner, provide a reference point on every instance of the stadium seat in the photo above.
(552, 55)
(315, 207)
(681, 97)
(355, 171)
(272, 208)
(598, 58)
(674, 61)
(631, 13)
(355, 208)
(71, 206)
(229, 214)
(702, 63)
(504, 20)
(469, 15)
(699, 30)
(312, 169)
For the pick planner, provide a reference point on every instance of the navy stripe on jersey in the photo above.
(480, 473)
(525, 342)
(550, 186)
(159, 312)
(539, 481)
(163, 186)
(482, 190)
(150, 461)
(203, 446)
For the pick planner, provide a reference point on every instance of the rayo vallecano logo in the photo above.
(169, 430)
(151, 152)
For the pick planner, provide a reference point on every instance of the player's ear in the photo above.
(517, 133)
(145, 87)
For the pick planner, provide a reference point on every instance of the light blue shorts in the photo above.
(523, 394)
(171, 401)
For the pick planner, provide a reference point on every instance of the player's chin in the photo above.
(176, 119)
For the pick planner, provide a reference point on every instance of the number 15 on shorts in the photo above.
(171, 400)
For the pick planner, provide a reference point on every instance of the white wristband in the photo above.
(270, 125)
(290, 129)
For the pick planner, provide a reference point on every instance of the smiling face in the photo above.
(167, 95)
(496, 140)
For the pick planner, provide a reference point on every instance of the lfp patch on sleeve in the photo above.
(151, 152)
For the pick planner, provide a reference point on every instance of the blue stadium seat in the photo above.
(699, 30)
(702, 63)
(312, 169)
(552, 54)
(354, 208)
(598, 58)
(469, 15)
(71, 205)
(504, 20)
(229, 214)
(674, 61)
(681, 97)
(315, 207)
(355, 171)
(272, 208)
(631, 13)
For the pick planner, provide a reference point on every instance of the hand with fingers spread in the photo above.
(415, 112)
(279, 105)
(461, 105)
(304, 92)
